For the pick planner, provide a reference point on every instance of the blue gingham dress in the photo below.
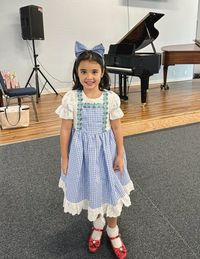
(91, 183)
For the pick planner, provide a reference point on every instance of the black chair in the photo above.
(18, 93)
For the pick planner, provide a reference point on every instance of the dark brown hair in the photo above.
(90, 56)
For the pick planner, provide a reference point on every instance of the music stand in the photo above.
(36, 69)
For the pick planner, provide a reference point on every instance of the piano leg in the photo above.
(125, 97)
(123, 87)
(164, 85)
(144, 86)
(120, 86)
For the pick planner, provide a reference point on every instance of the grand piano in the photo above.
(179, 54)
(122, 58)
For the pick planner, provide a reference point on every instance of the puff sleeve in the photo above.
(66, 109)
(115, 110)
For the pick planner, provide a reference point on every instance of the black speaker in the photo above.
(31, 17)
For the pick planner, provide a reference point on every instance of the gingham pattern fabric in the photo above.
(91, 182)
(68, 108)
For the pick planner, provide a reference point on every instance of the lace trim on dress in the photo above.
(64, 113)
(116, 114)
(66, 109)
(107, 209)
(115, 110)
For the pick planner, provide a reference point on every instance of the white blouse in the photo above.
(68, 108)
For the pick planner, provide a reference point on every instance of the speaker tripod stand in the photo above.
(37, 70)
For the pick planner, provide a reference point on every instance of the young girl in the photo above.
(93, 163)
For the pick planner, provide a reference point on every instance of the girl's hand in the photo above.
(64, 165)
(119, 164)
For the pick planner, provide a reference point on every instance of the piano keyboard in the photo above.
(119, 69)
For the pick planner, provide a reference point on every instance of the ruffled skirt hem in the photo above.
(106, 209)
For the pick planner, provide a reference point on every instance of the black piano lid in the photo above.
(143, 33)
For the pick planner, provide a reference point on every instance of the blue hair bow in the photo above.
(80, 48)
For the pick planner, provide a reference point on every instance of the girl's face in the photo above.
(90, 74)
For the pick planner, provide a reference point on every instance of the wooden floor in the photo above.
(177, 106)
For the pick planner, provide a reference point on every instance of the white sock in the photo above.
(113, 232)
(99, 223)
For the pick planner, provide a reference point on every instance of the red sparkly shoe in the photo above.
(120, 252)
(93, 245)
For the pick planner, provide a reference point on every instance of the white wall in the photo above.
(91, 22)
(197, 67)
